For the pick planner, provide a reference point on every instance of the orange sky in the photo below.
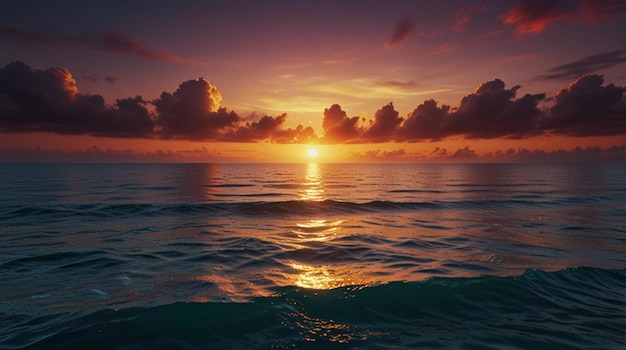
(360, 80)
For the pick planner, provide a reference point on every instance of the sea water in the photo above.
(290, 256)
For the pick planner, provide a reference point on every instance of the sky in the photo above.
(356, 80)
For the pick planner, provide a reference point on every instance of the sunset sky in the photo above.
(268, 81)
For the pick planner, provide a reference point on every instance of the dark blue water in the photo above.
(149, 256)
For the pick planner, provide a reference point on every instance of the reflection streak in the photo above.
(313, 185)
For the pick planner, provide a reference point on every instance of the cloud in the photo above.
(193, 112)
(463, 17)
(522, 155)
(386, 120)
(48, 100)
(463, 154)
(589, 64)
(379, 156)
(586, 108)
(533, 16)
(599, 10)
(492, 111)
(33, 100)
(338, 128)
(118, 42)
(466, 154)
(270, 128)
(112, 42)
(427, 121)
(401, 32)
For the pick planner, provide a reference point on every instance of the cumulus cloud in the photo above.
(113, 42)
(338, 128)
(270, 128)
(49, 100)
(427, 121)
(386, 120)
(193, 111)
(589, 64)
(533, 16)
(33, 100)
(587, 108)
(401, 32)
(491, 111)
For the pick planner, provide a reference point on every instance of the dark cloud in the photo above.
(586, 108)
(427, 121)
(33, 100)
(401, 32)
(109, 79)
(587, 65)
(338, 128)
(117, 42)
(383, 128)
(49, 100)
(533, 16)
(14, 34)
(113, 42)
(270, 128)
(193, 112)
(492, 111)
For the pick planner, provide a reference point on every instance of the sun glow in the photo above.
(313, 153)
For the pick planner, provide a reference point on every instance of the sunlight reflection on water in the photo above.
(313, 184)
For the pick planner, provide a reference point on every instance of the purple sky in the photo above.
(492, 70)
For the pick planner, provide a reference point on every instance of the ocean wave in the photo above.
(286, 207)
(572, 308)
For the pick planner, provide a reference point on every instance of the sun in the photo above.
(313, 153)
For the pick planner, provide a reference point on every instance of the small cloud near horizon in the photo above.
(461, 155)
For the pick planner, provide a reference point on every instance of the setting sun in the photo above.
(313, 153)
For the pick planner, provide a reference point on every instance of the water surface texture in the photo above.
(288, 256)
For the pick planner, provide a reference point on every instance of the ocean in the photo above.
(312, 256)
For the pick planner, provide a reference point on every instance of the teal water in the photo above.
(199, 256)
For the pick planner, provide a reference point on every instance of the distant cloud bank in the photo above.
(466, 154)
